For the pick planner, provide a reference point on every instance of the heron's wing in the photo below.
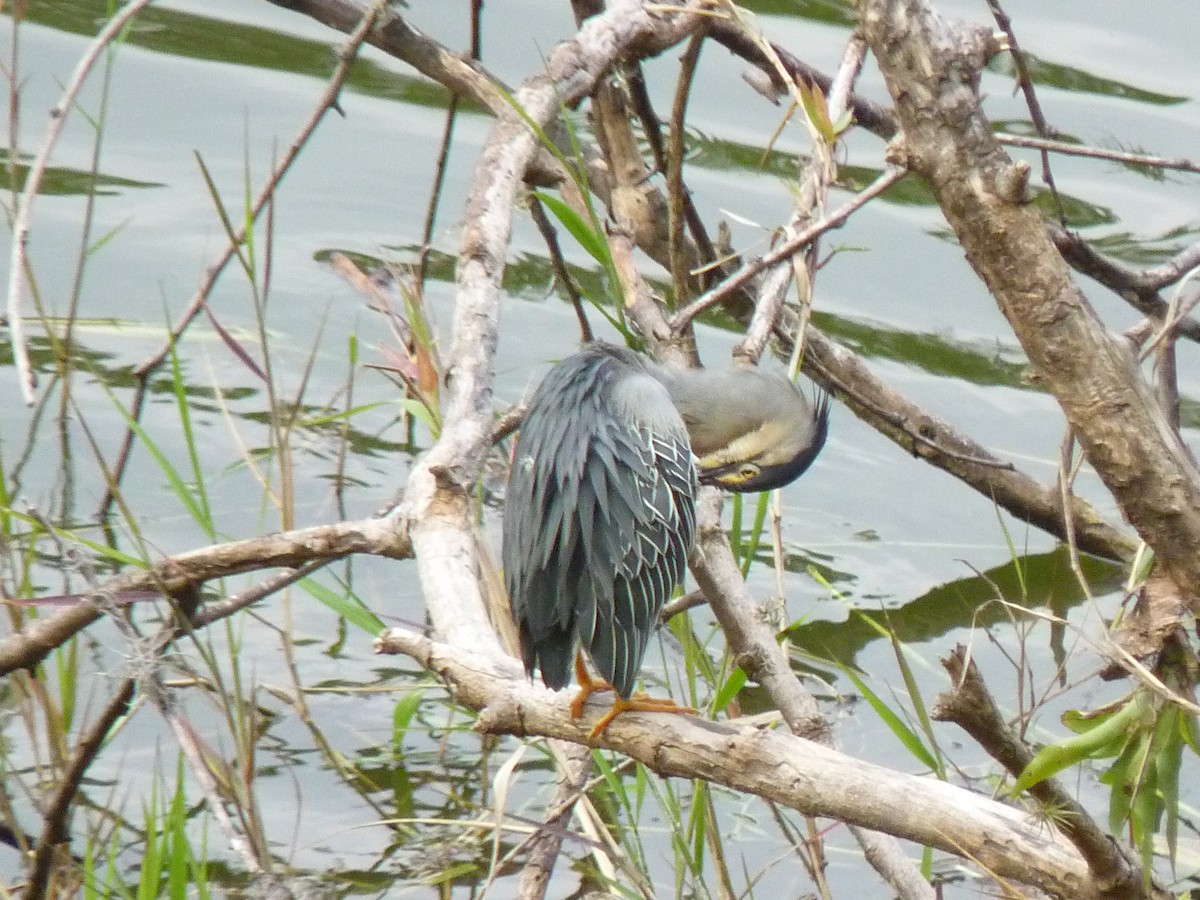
(644, 532)
(553, 554)
(539, 535)
(599, 516)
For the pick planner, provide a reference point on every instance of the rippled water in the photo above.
(225, 85)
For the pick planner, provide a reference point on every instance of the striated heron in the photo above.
(600, 512)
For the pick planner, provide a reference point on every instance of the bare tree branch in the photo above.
(932, 70)
(939, 443)
(969, 705)
(290, 549)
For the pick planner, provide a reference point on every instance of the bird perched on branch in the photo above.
(600, 512)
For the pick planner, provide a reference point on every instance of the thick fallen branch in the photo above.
(774, 765)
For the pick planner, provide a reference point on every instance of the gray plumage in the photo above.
(599, 517)
(751, 430)
(600, 513)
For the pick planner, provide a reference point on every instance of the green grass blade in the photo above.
(906, 736)
(185, 494)
(347, 606)
(402, 716)
(189, 439)
(918, 703)
(175, 828)
(729, 689)
(589, 239)
(101, 550)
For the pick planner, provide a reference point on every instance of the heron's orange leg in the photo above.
(587, 685)
(637, 703)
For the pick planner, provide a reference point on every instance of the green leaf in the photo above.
(1116, 777)
(454, 871)
(1191, 731)
(1143, 812)
(1123, 777)
(1106, 739)
(728, 690)
(402, 716)
(1081, 722)
(1168, 761)
(594, 243)
(817, 111)
(341, 415)
(350, 609)
(420, 412)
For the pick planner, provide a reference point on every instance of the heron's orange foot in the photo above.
(637, 703)
(587, 687)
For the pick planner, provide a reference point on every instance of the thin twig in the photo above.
(559, 265)
(773, 289)
(1031, 101)
(377, 536)
(18, 259)
(575, 763)
(1068, 469)
(327, 101)
(217, 610)
(435, 195)
(1174, 268)
(878, 119)
(652, 129)
(840, 93)
(54, 833)
(676, 189)
(772, 293)
(896, 417)
(1124, 157)
(743, 275)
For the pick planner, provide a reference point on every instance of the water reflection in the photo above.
(1031, 581)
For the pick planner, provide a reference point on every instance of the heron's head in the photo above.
(750, 431)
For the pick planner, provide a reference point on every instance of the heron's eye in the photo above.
(748, 471)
